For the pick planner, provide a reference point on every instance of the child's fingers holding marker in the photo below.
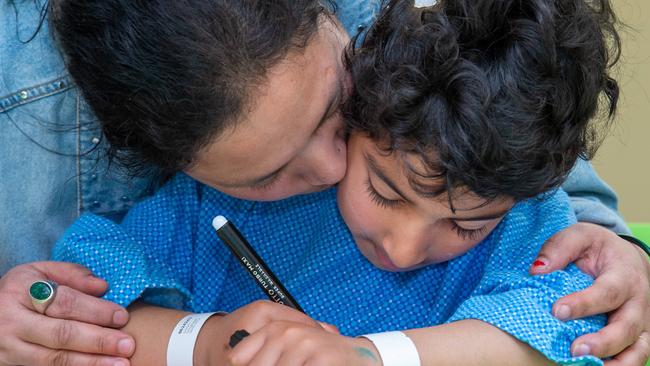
(248, 348)
(257, 314)
(271, 343)
(284, 343)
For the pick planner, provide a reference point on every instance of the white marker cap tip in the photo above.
(218, 222)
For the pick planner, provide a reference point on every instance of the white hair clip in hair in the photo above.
(425, 3)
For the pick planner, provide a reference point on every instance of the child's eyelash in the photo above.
(378, 199)
(465, 234)
(267, 184)
(468, 234)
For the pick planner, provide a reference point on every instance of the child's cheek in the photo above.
(358, 211)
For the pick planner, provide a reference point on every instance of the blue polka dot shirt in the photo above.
(166, 253)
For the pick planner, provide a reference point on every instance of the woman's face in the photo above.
(291, 140)
(396, 228)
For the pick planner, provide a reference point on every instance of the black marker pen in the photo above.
(255, 266)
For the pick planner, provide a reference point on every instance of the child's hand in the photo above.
(252, 317)
(284, 343)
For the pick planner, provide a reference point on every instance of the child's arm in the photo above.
(466, 342)
(152, 326)
(472, 342)
(507, 319)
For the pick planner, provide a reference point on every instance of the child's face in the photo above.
(395, 228)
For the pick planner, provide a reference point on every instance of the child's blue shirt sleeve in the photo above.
(148, 255)
(520, 304)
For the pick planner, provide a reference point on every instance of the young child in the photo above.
(464, 118)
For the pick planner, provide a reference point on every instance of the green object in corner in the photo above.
(641, 231)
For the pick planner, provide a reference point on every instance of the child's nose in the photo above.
(407, 248)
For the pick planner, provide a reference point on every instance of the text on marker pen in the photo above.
(252, 262)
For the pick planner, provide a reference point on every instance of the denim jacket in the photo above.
(52, 162)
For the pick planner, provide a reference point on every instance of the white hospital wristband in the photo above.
(395, 348)
(180, 350)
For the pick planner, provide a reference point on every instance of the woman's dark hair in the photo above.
(494, 95)
(166, 76)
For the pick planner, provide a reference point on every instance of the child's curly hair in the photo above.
(495, 95)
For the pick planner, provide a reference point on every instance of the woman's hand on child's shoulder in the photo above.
(621, 288)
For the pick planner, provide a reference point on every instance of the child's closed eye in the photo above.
(378, 199)
(266, 184)
(468, 234)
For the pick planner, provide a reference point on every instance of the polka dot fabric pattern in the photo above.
(166, 253)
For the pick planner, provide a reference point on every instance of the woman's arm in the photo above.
(592, 200)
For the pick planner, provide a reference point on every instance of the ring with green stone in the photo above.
(42, 294)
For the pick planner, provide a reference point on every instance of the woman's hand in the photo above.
(283, 343)
(621, 288)
(76, 328)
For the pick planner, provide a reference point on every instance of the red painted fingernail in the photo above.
(539, 263)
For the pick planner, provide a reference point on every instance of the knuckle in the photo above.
(261, 309)
(8, 354)
(631, 333)
(319, 359)
(101, 345)
(64, 303)
(295, 333)
(231, 357)
(58, 358)
(579, 305)
(258, 305)
(645, 350)
(276, 328)
(310, 344)
(611, 295)
(636, 280)
(605, 344)
(62, 335)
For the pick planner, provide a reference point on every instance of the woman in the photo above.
(311, 159)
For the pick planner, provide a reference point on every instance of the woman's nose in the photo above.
(327, 160)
